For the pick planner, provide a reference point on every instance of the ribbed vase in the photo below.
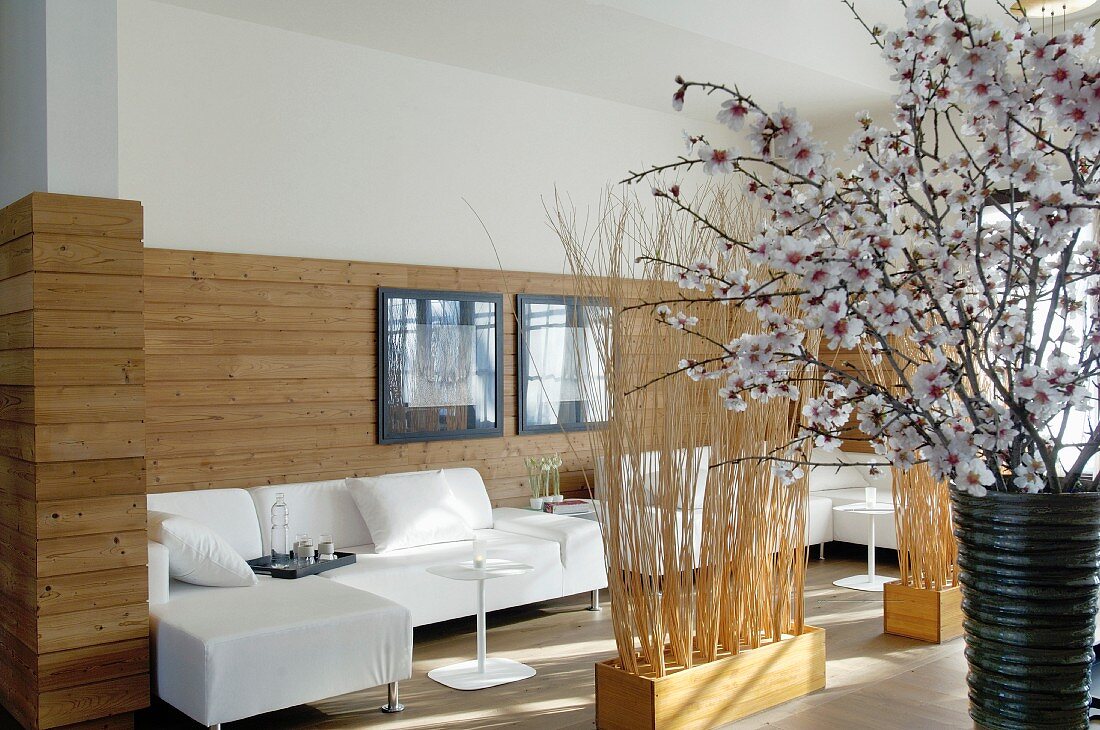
(1029, 567)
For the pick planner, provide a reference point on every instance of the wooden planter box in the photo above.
(708, 695)
(920, 613)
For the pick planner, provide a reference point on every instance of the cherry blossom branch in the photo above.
(874, 33)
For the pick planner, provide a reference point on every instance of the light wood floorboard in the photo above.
(873, 680)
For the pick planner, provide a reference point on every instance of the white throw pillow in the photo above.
(407, 510)
(197, 554)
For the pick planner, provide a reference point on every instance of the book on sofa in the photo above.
(568, 507)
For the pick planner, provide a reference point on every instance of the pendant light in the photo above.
(1050, 11)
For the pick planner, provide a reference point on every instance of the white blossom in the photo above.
(981, 316)
(715, 161)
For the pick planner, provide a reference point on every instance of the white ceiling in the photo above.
(810, 54)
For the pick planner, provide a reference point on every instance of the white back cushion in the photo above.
(648, 464)
(832, 477)
(469, 490)
(230, 513)
(846, 474)
(473, 500)
(702, 468)
(409, 510)
(158, 573)
(315, 508)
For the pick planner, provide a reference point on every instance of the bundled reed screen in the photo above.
(705, 546)
(927, 549)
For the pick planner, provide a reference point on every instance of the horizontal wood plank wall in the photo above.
(261, 370)
(74, 632)
(18, 636)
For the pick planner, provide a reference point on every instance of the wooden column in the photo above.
(74, 617)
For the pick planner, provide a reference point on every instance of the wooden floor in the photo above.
(873, 680)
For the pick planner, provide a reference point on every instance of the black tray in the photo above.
(262, 566)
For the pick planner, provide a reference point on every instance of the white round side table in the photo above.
(868, 581)
(482, 672)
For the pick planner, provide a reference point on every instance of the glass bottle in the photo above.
(280, 532)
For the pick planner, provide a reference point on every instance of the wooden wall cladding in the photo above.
(852, 361)
(261, 370)
(74, 621)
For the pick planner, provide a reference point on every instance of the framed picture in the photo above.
(561, 378)
(439, 373)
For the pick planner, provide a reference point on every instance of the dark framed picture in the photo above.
(439, 365)
(561, 378)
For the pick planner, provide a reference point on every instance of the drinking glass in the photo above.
(326, 547)
(303, 549)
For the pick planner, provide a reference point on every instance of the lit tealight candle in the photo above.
(479, 553)
(870, 495)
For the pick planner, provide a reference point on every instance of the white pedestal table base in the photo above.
(465, 675)
(484, 671)
(867, 581)
(864, 582)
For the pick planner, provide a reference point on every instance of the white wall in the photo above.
(82, 97)
(58, 98)
(242, 137)
(22, 98)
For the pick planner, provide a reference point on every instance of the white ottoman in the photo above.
(223, 654)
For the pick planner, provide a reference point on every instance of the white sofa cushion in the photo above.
(402, 576)
(197, 554)
(409, 510)
(226, 654)
(315, 508)
(228, 512)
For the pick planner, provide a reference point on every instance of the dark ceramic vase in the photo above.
(1029, 567)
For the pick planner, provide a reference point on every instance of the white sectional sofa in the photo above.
(829, 486)
(567, 553)
(832, 486)
(222, 654)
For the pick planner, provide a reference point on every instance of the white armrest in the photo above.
(158, 573)
(579, 539)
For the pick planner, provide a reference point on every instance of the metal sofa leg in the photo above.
(821, 551)
(215, 726)
(393, 699)
(595, 604)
